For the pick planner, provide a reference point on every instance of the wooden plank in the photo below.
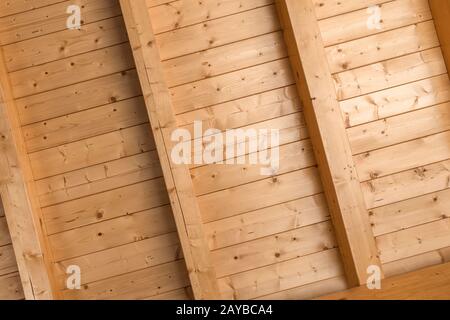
(215, 177)
(267, 221)
(125, 258)
(254, 196)
(64, 44)
(274, 249)
(10, 288)
(428, 284)
(92, 151)
(112, 233)
(223, 59)
(85, 124)
(310, 291)
(282, 276)
(71, 70)
(12, 7)
(230, 86)
(418, 262)
(394, 101)
(183, 13)
(7, 260)
(384, 46)
(329, 138)
(218, 32)
(106, 205)
(20, 202)
(409, 213)
(406, 185)
(139, 284)
(440, 10)
(178, 181)
(79, 97)
(353, 25)
(413, 241)
(99, 178)
(329, 8)
(49, 19)
(404, 156)
(390, 73)
(399, 129)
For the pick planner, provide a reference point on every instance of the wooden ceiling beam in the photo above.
(177, 177)
(22, 211)
(330, 142)
(441, 14)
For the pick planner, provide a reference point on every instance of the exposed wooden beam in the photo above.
(22, 210)
(329, 138)
(441, 14)
(178, 180)
(432, 283)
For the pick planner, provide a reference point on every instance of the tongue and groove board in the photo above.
(96, 172)
(393, 90)
(114, 205)
(225, 64)
(10, 284)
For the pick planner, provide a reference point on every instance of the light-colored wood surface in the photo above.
(177, 178)
(329, 139)
(20, 203)
(432, 283)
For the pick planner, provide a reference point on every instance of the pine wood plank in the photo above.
(235, 85)
(390, 73)
(384, 46)
(135, 285)
(64, 44)
(353, 25)
(282, 276)
(71, 70)
(7, 260)
(393, 101)
(401, 128)
(98, 178)
(85, 124)
(267, 221)
(79, 97)
(49, 19)
(404, 156)
(245, 111)
(104, 206)
(409, 213)
(92, 151)
(329, 8)
(274, 249)
(10, 287)
(184, 13)
(406, 185)
(310, 291)
(215, 177)
(218, 32)
(123, 259)
(223, 59)
(255, 195)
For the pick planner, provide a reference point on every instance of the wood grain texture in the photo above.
(178, 181)
(329, 138)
